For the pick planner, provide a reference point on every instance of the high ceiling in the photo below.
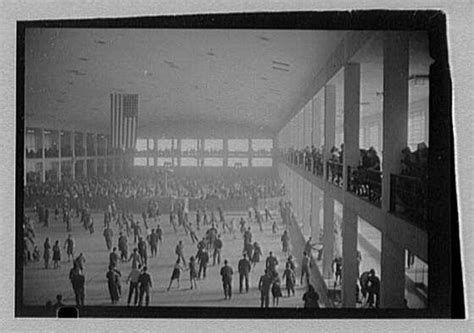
(248, 78)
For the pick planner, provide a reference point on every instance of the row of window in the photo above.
(208, 162)
(211, 145)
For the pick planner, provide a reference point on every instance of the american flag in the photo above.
(123, 120)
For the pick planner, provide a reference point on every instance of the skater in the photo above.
(271, 263)
(276, 289)
(192, 272)
(135, 258)
(123, 247)
(285, 242)
(137, 231)
(180, 251)
(108, 234)
(264, 286)
(113, 284)
(56, 255)
(244, 270)
(69, 247)
(267, 214)
(257, 254)
(145, 285)
(203, 261)
(133, 278)
(153, 243)
(217, 251)
(80, 262)
(46, 253)
(159, 233)
(113, 258)
(290, 279)
(274, 227)
(305, 268)
(337, 262)
(142, 251)
(226, 273)
(177, 268)
(77, 279)
(198, 219)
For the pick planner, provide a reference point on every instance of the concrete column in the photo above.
(250, 152)
(73, 148)
(105, 154)
(59, 156)
(179, 152)
(96, 162)
(317, 113)
(329, 123)
(84, 161)
(226, 152)
(43, 157)
(395, 107)
(328, 236)
(25, 161)
(349, 258)
(315, 212)
(351, 118)
(392, 276)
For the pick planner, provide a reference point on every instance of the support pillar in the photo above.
(329, 123)
(73, 152)
(395, 107)
(349, 258)
(96, 162)
(43, 157)
(105, 154)
(84, 161)
(179, 151)
(392, 276)
(226, 152)
(315, 213)
(351, 118)
(250, 152)
(328, 236)
(59, 156)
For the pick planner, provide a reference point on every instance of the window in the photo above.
(213, 145)
(161, 161)
(188, 161)
(262, 145)
(238, 145)
(139, 161)
(262, 162)
(163, 145)
(232, 161)
(141, 144)
(151, 144)
(151, 161)
(188, 146)
(213, 162)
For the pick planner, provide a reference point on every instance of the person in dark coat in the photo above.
(271, 263)
(113, 284)
(77, 279)
(145, 285)
(226, 273)
(285, 241)
(244, 270)
(257, 254)
(113, 258)
(373, 288)
(56, 255)
(203, 261)
(311, 298)
(46, 253)
(290, 277)
(217, 251)
(264, 286)
(123, 247)
(153, 243)
(108, 234)
(142, 250)
(305, 268)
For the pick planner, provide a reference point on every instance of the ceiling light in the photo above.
(280, 63)
(281, 69)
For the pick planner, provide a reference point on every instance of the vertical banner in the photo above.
(123, 120)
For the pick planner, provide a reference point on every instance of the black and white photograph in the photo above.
(248, 165)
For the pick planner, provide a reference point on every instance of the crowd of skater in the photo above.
(138, 240)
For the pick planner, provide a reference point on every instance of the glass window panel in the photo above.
(151, 144)
(164, 145)
(262, 162)
(213, 162)
(161, 161)
(188, 161)
(263, 145)
(232, 161)
(141, 144)
(213, 145)
(240, 145)
(151, 161)
(188, 146)
(139, 161)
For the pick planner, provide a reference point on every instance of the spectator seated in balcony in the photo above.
(335, 167)
(415, 164)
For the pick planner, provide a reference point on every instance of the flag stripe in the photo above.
(123, 120)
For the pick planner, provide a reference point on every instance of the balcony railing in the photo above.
(318, 167)
(366, 184)
(408, 198)
(334, 173)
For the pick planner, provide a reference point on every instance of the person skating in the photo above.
(142, 250)
(177, 268)
(264, 286)
(56, 255)
(217, 250)
(285, 241)
(145, 285)
(46, 253)
(77, 278)
(290, 279)
(153, 241)
(271, 263)
(180, 251)
(226, 273)
(257, 254)
(69, 247)
(108, 235)
(113, 258)
(203, 261)
(133, 278)
(113, 284)
(305, 268)
(276, 289)
(192, 272)
(123, 247)
(135, 258)
(311, 298)
(244, 270)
